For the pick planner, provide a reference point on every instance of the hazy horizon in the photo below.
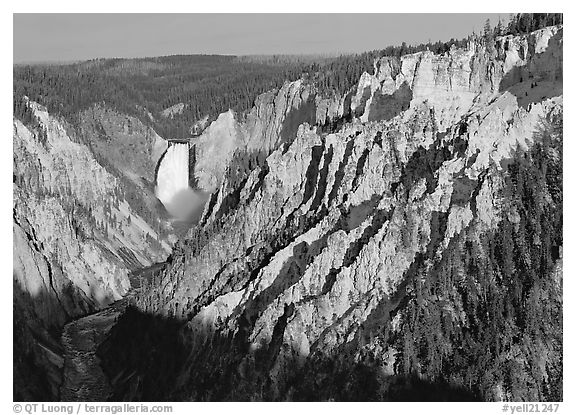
(68, 38)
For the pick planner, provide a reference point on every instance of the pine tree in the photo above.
(487, 29)
(488, 36)
(498, 30)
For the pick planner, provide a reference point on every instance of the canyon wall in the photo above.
(374, 258)
(76, 239)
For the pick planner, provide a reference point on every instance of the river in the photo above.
(83, 377)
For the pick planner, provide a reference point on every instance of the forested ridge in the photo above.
(207, 85)
(145, 87)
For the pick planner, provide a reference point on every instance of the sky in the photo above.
(62, 37)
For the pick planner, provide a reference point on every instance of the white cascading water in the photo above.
(172, 179)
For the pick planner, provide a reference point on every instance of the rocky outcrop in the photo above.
(391, 256)
(214, 149)
(173, 110)
(272, 122)
(452, 83)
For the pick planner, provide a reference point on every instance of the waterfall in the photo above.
(172, 177)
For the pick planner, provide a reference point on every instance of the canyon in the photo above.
(401, 241)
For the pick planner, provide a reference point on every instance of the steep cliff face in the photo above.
(274, 120)
(76, 239)
(454, 82)
(214, 149)
(407, 251)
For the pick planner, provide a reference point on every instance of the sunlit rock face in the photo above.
(317, 266)
(214, 149)
(172, 179)
(529, 66)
